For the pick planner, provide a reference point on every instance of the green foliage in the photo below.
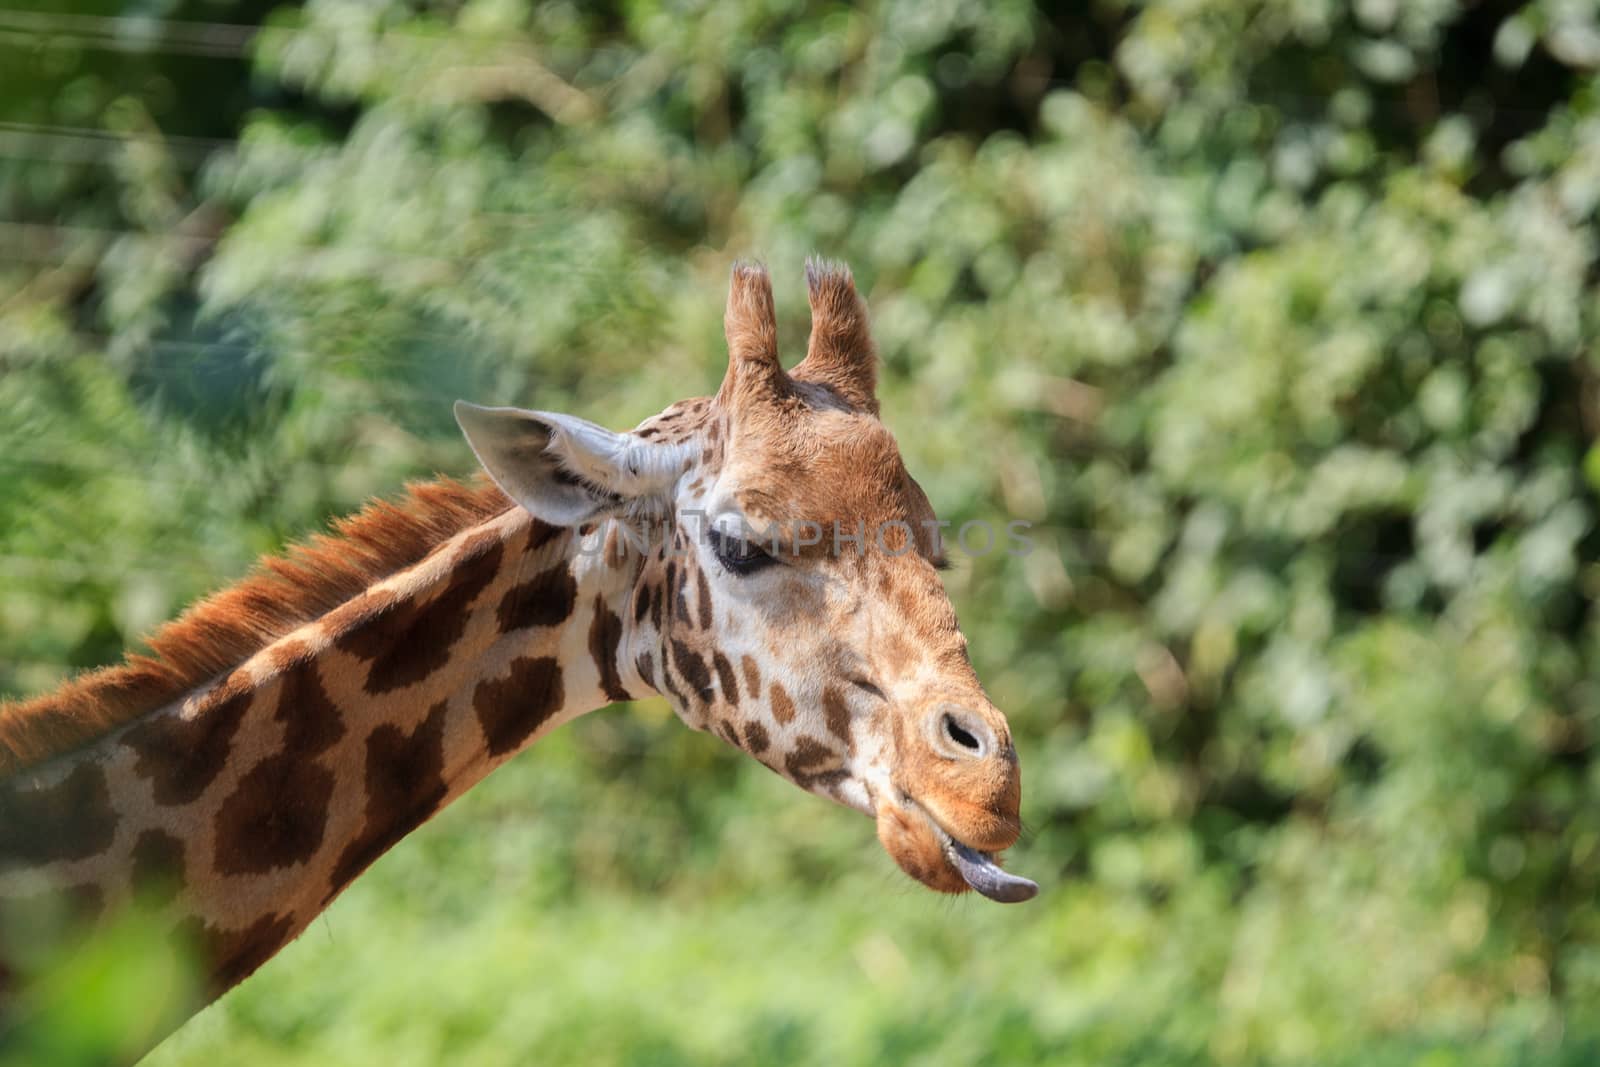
(1275, 319)
(89, 1000)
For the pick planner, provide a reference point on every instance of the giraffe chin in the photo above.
(926, 852)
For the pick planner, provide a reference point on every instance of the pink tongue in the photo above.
(984, 875)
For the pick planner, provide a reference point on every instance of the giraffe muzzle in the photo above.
(924, 849)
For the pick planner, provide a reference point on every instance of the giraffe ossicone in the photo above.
(286, 732)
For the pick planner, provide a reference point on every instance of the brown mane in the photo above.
(226, 628)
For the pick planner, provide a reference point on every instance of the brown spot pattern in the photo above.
(358, 611)
(614, 547)
(755, 737)
(275, 817)
(540, 534)
(182, 756)
(752, 675)
(412, 640)
(705, 599)
(277, 814)
(546, 599)
(605, 632)
(312, 723)
(836, 713)
(782, 706)
(692, 669)
(726, 676)
(71, 820)
(405, 786)
(672, 689)
(646, 667)
(680, 596)
(813, 764)
(641, 603)
(512, 708)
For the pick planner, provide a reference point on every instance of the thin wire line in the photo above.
(199, 149)
(232, 40)
(101, 134)
(76, 144)
(111, 44)
(120, 33)
(221, 145)
(186, 30)
(329, 258)
(229, 39)
(222, 39)
(67, 156)
(318, 260)
(225, 39)
(183, 37)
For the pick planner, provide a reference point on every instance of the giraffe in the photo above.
(284, 733)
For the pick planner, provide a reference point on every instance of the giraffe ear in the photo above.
(840, 354)
(751, 325)
(565, 470)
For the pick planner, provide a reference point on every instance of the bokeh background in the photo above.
(1276, 318)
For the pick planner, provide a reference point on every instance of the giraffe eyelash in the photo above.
(736, 554)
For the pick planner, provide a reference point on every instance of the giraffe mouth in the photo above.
(977, 868)
(980, 871)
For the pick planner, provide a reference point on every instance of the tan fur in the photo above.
(223, 630)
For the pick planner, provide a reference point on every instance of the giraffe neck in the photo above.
(254, 800)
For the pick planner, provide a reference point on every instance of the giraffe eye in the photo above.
(738, 555)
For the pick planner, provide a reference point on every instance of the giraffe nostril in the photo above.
(959, 733)
(955, 732)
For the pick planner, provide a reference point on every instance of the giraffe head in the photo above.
(785, 591)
